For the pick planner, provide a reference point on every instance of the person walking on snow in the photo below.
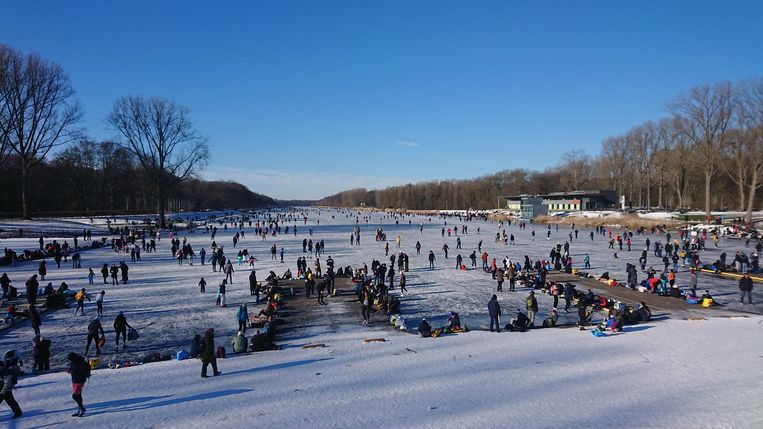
(745, 285)
(94, 334)
(99, 303)
(105, 272)
(208, 355)
(79, 369)
(80, 298)
(242, 316)
(9, 373)
(494, 309)
(120, 329)
(228, 270)
(532, 307)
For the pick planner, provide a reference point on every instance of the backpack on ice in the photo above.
(132, 334)
(220, 352)
(182, 355)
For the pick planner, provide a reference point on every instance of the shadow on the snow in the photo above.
(279, 366)
(143, 402)
(636, 328)
(26, 386)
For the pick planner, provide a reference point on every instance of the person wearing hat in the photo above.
(425, 329)
(120, 328)
(239, 343)
(79, 369)
(532, 307)
(8, 374)
(494, 309)
(94, 334)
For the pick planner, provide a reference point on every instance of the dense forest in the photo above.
(707, 153)
(103, 177)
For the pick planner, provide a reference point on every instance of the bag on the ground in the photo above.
(132, 334)
(182, 355)
(94, 362)
(220, 352)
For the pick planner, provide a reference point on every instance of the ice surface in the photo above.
(666, 374)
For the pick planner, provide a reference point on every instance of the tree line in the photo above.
(152, 164)
(94, 178)
(707, 153)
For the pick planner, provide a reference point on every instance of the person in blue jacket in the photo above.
(242, 315)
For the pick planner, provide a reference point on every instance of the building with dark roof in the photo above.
(564, 201)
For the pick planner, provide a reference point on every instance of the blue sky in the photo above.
(301, 99)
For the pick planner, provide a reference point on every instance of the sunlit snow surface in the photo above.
(674, 373)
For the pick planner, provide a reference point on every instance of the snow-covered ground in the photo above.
(581, 380)
(658, 375)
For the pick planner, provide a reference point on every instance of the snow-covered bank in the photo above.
(660, 375)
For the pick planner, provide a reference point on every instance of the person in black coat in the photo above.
(42, 354)
(495, 313)
(196, 347)
(7, 375)
(80, 371)
(94, 334)
(425, 329)
(208, 355)
(105, 272)
(120, 328)
(34, 316)
(521, 323)
(745, 285)
(32, 286)
(252, 283)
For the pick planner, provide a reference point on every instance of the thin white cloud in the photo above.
(406, 143)
(296, 184)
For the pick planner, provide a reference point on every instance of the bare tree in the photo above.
(160, 135)
(643, 140)
(41, 108)
(703, 115)
(679, 158)
(750, 125)
(617, 158)
(6, 53)
(576, 167)
(735, 162)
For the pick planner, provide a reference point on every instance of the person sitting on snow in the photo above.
(645, 314)
(262, 341)
(710, 300)
(239, 343)
(550, 322)
(425, 329)
(521, 323)
(454, 322)
(196, 347)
